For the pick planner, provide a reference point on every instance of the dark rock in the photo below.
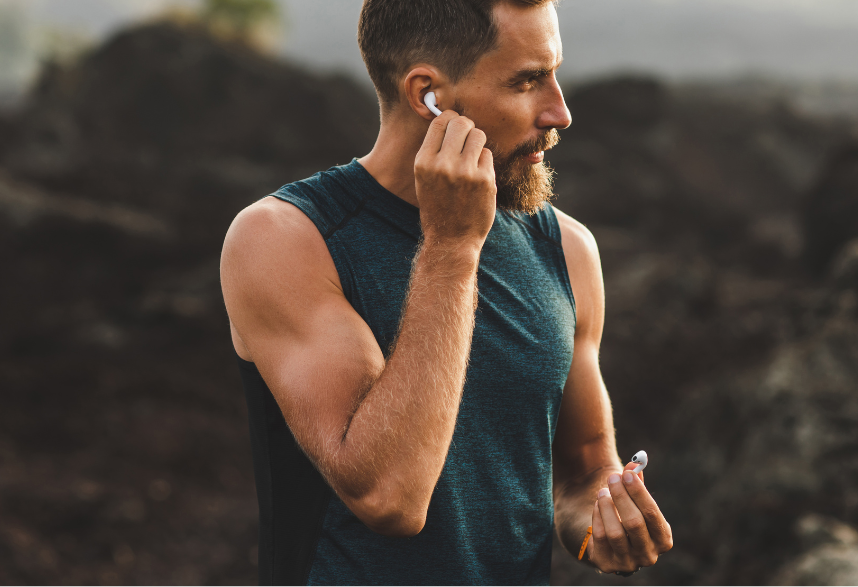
(168, 118)
(844, 268)
(831, 209)
(630, 103)
(751, 451)
(120, 177)
(831, 557)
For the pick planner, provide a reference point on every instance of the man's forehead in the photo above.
(528, 38)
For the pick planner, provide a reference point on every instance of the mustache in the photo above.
(543, 142)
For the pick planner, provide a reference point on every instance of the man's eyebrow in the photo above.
(538, 71)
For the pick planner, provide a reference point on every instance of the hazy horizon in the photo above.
(677, 39)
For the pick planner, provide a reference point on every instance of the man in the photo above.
(405, 326)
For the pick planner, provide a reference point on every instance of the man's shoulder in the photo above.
(576, 238)
(271, 221)
(585, 275)
(274, 240)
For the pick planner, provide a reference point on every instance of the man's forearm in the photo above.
(400, 433)
(573, 506)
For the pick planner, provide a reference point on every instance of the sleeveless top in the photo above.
(490, 519)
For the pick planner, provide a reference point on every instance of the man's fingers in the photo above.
(458, 130)
(487, 161)
(631, 467)
(614, 530)
(598, 547)
(629, 530)
(474, 146)
(633, 520)
(437, 129)
(658, 528)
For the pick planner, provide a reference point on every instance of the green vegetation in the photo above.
(14, 47)
(240, 19)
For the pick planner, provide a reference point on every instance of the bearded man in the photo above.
(405, 327)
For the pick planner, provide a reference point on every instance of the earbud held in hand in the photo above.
(641, 460)
(431, 103)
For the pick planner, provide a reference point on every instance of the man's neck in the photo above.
(391, 161)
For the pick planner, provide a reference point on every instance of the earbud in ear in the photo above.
(431, 104)
(641, 459)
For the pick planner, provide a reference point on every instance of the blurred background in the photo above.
(714, 155)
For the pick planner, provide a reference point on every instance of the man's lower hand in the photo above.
(629, 530)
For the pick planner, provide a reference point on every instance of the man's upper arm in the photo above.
(584, 440)
(284, 299)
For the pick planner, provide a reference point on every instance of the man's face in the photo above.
(513, 96)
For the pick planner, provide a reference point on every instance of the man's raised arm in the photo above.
(378, 431)
(591, 486)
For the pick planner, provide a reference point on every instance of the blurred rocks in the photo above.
(124, 445)
(831, 208)
(168, 119)
(725, 358)
(758, 447)
(844, 271)
(814, 530)
(122, 407)
(832, 558)
(630, 105)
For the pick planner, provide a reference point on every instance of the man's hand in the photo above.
(629, 530)
(455, 181)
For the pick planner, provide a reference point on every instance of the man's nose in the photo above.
(555, 114)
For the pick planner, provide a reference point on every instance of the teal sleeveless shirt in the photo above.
(490, 519)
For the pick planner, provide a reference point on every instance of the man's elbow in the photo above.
(397, 517)
(397, 524)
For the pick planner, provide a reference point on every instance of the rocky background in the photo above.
(727, 229)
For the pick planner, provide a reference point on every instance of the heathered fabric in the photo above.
(490, 520)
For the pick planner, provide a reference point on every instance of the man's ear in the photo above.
(420, 81)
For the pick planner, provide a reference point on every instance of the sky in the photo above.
(679, 39)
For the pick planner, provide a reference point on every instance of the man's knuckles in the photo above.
(477, 137)
(441, 122)
(665, 542)
(459, 175)
(652, 513)
(461, 124)
(453, 172)
(635, 524)
(647, 559)
(618, 540)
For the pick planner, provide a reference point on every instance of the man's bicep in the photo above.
(319, 371)
(315, 353)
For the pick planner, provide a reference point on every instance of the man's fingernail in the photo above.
(614, 478)
(603, 492)
(628, 477)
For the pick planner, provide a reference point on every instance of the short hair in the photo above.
(393, 35)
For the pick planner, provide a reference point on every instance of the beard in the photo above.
(523, 186)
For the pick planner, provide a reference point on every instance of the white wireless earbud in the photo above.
(431, 104)
(641, 460)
